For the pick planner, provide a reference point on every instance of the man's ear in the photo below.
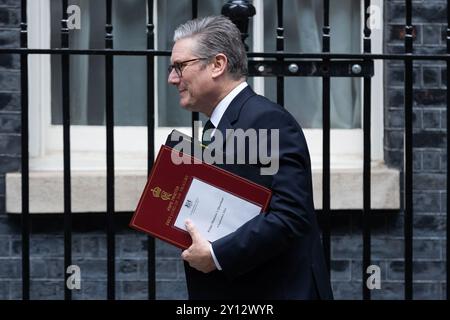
(220, 64)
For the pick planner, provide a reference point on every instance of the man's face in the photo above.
(195, 83)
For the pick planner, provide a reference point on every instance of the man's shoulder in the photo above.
(259, 108)
(258, 104)
(263, 101)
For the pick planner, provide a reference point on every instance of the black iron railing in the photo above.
(277, 64)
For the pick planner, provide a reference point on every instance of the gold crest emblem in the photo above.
(159, 193)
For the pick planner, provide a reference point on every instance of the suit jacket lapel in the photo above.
(231, 115)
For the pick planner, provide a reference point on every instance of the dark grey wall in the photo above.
(429, 187)
(9, 133)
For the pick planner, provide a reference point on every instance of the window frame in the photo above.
(46, 139)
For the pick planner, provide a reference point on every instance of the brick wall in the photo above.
(89, 240)
(429, 197)
(429, 130)
(9, 134)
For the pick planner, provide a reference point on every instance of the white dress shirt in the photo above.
(216, 116)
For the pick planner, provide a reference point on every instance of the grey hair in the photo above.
(214, 35)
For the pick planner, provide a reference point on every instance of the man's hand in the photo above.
(198, 255)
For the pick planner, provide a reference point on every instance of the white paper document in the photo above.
(214, 212)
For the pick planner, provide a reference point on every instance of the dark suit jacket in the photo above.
(277, 255)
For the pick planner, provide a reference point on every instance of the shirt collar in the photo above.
(222, 106)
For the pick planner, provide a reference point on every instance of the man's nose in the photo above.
(173, 77)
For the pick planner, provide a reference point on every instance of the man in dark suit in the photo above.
(277, 255)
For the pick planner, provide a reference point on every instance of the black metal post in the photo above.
(367, 214)
(326, 136)
(280, 48)
(151, 140)
(109, 76)
(195, 115)
(408, 149)
(239, 11)
(65, 66)
(25, 153)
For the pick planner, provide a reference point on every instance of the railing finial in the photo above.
(239, 11)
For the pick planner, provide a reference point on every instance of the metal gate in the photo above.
(279, 64)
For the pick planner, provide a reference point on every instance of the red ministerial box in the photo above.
(168, 185)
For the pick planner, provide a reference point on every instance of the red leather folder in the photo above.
(168, 185)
